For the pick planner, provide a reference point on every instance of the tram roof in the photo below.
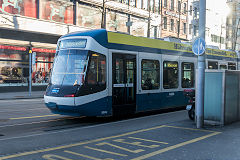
(116, 40)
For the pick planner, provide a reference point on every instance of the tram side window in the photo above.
(170, 74)
(212, 65)
(187, 75)
(223, 66)
(150, 74)
(232, 66)
(96, 74)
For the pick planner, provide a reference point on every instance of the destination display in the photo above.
(73, 43)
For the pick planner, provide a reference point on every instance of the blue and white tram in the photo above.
(101, 73)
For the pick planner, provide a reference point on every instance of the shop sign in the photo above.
(13, 48)
(43, 50)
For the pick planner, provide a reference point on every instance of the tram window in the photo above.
(212, 65)
(232, 66)
(223, 66)
(187, 75)
(150, 74)
(96, 74)
(170, 74)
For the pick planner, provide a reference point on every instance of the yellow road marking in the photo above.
(175, 146)
(83, 143)
(147, 140)
(125, 149)
(86, 156)
(101, 150)
(53, 156)
(77, 144)
(193, 129)
(135, 143)
(50, 115)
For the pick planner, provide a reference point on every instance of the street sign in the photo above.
(33, 58)
(199, 46)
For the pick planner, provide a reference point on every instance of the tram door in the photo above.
(124, 83)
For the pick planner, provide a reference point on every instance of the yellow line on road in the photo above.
(193, 129)
(50, 115)
(86, 156)
(147, 140)
(101, 150)
(77, 144)
(175, 146)
(117, 136)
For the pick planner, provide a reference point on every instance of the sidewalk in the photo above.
(21, 95)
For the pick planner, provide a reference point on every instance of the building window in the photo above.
(172, 5)
(185, 8)
(145, 5)
(152, 5)
(150, 74)
(165, 3)
(184, 28)
(164, 22)
(195, 30)
(139, 3)
(170, 74)
(172, 25)
(179, 6)
(191, 10)
(190, 29)
(178, 27)
(157, 6)
(195, 12)
(187, 75)
(133, 3)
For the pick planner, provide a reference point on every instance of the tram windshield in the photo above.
(69, 67)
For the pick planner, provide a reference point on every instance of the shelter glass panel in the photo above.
(170, 74)
(150, 74)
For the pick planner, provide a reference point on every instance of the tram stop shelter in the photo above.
(221, 97)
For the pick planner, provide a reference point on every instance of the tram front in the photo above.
(78, 80)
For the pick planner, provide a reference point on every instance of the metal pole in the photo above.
(201, 68)
(149, 21)
(30, 72)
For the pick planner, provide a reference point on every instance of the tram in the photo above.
(102, 73)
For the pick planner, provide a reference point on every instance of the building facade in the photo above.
(233, 25)
(216, 15)
(174, 18)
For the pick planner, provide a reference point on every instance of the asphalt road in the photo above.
(28, 131)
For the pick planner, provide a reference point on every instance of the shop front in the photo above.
(14, 68)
